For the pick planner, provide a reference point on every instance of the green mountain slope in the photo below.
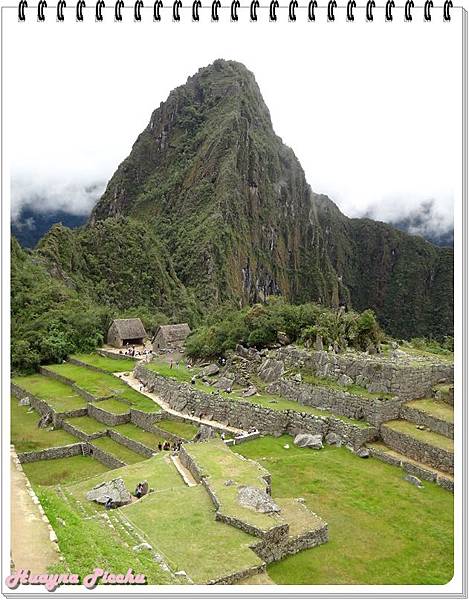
(232, 205)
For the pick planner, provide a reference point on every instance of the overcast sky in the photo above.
(367, 108)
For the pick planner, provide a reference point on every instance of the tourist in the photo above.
(139, 490)
(223, 436)
(160, 446)
(193, 380)
(109, 503)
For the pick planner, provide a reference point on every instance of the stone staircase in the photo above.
(421, 440)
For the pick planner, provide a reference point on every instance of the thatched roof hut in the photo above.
(170, 337)
(126, 331)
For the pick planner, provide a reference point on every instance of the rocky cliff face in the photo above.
(237, 221)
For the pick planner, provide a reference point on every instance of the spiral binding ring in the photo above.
(370, 5)
(273, 7)
(216, 5)
(234, 10)
(408, 5)
(40, 10)
(389, 5)
(61, 4)
(196, 5)
(447, 5)
(311, 6)
(291, 10)
(426, 10)
(99, 7)
(157, 6)
(177, 5)
(137, 10)
(253, 10)
(235, 6)
(21, 6)
(119, 5)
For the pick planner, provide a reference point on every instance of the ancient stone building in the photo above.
(170, 337)
(126, 331)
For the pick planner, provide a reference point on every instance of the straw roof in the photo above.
(128, 329)
(173, 333)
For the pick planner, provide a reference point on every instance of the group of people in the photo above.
(132, 351)
(175, 446)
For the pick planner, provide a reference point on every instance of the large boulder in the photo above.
(224, 383)
(205, 433)
(271, 370)
(210, 370)
(256, 499)
(114, 489)
(250, 391)
(308, 440)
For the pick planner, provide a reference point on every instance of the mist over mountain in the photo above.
(223, 207)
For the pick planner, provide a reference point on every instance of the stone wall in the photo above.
(371, 410)
(51, 453)
(108, 461)
(79, 433)
(244, 415)
(419, 471)
(438, 458)
(67, 381)
(145, 420)
(137, 447)
(237, 576)
(422, 418)
(106, 417)
(291, 545)
(376, 373)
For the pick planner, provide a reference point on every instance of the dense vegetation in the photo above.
(262, 324)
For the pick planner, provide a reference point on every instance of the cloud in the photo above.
(44, 195)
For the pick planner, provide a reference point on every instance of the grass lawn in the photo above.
(126, 455)
(382, 530)
(220, 464)
(185, 431)
(111, 365)
(86, 544)
(181, 524)
(140, 435)
(27, 436)
(103, 385)
(62, 470)
(428, 437)
(87, 424)
(158, 471)
(435, 408)
(57, 395)
(114, 406)
(353, 388)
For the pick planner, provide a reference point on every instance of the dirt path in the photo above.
(135, 383)
(185, 473)
(31, 547)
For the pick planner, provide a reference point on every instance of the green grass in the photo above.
(111, 365)
(62, 470)
(181, 524)
(102, 385)
(353, 388)
(185, 431)
(158, 471)
(139, 435)
(279, 403)
(87, 425)
(428, 437)
(219, 463)
(126, 455)
(27, 436)
(91, 543)
(57, 395)
(435, 408)
(382, 530)
(114, 406)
